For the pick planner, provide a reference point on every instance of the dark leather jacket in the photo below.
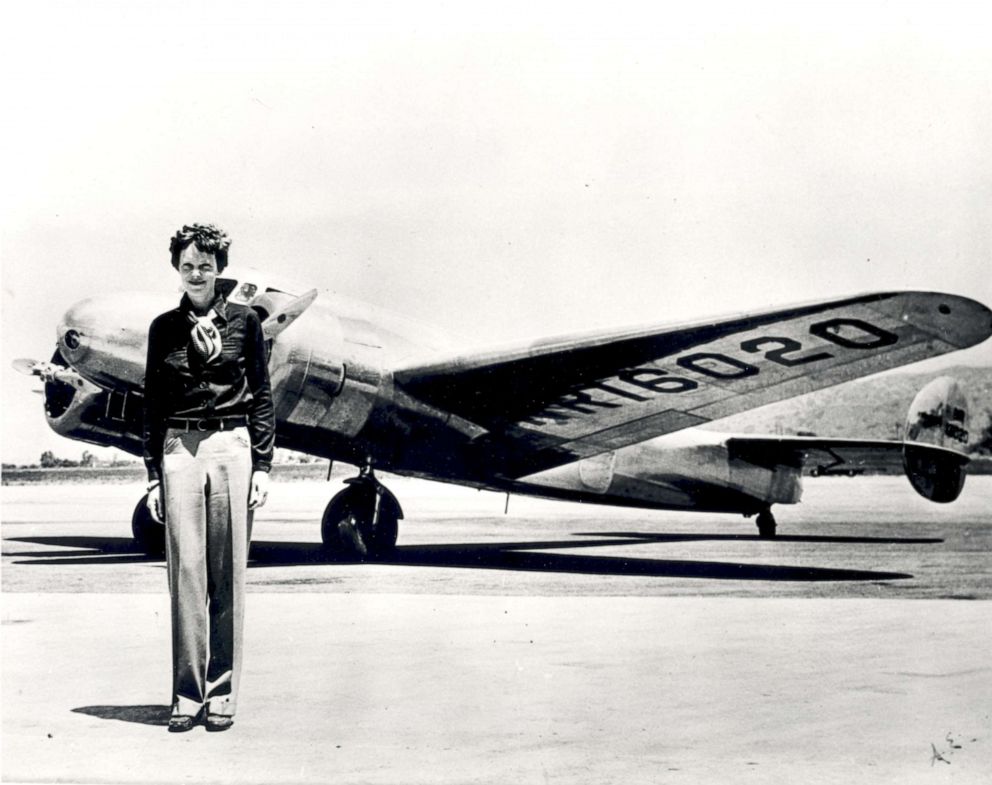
(179, 383)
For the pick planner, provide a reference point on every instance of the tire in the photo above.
(766, 524)
(149, 534)
(346, 527)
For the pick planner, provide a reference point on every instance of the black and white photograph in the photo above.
(457, 393)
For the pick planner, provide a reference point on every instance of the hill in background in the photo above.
(873, 408)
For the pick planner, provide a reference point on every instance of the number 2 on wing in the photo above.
(786, 346)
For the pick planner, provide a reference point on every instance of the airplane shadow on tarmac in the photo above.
(526, 556)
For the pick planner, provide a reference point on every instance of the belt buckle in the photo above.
(201, 423)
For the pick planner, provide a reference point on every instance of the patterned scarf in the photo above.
(205, 336)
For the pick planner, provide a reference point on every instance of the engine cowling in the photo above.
(938, 418)
(328, 385)
(78, 409)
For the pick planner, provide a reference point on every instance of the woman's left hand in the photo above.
(259, 490)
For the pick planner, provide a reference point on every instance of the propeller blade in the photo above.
(47, 371)
(68, 376)
(284, 317)
(26, 366)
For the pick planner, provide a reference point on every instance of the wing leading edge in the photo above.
(566, 399)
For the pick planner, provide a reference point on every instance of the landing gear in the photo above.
(148, 533)
(766, 524)
(362, 521)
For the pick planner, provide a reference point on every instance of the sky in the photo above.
(504, 171)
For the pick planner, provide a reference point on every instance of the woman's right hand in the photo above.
(156, 503)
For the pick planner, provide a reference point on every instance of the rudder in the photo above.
(937, 418)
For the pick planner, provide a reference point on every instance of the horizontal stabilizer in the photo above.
(834, 456)
(932, 455)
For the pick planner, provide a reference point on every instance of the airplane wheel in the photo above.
(148, 533)
(766, 524)
(347, 526)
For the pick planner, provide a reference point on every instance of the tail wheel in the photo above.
(766, 524)
(148, 533)
(361, 522)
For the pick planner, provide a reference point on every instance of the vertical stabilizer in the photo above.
(938, 417)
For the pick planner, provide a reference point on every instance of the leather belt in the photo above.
(207, 423)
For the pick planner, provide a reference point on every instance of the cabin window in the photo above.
(245, 292)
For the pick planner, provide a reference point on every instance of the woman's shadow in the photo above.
(145, 715)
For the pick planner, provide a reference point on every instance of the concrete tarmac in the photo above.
(559, 643)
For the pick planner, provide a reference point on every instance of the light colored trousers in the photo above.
(206, 479)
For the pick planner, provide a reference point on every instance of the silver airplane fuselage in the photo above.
(335, 397)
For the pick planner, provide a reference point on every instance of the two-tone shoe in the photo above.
(180, 723)
(215, 723)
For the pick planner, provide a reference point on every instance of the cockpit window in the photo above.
(245, 292)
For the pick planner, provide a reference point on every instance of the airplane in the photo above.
(609, 417)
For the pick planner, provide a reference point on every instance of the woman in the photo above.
(209, 433)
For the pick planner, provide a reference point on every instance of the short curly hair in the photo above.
(208, 238)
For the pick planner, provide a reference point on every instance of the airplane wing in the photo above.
(564, 399)
(833, 456)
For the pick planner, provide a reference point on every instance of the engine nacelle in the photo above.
(90, 414)
(938, 418)
(328, 385)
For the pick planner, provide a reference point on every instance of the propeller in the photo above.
(286, 315)
(47, 371)
(25, 366)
